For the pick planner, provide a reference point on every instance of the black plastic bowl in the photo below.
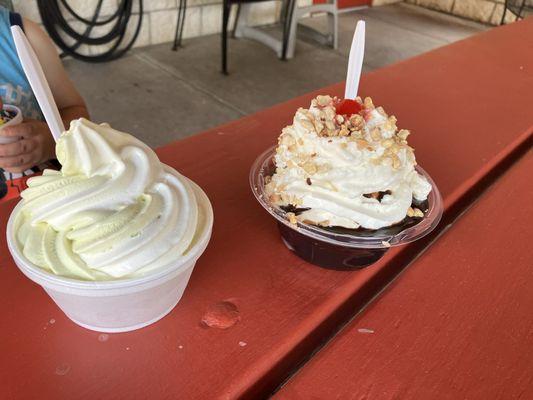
(328, 255)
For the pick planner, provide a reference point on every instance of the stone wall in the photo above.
(159, 19)
(485, 11)
(384, 2)
(203, 17)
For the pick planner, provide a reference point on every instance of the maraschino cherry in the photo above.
(348, 107)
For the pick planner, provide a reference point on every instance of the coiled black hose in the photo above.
(69, 40)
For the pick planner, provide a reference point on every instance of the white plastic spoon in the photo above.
(355, 61)
(34, 72)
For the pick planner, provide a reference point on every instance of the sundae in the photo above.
(345, 164)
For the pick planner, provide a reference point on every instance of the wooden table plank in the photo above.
(469, 108)
(457, 325)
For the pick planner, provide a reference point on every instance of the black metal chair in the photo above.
(286, 19)
(520, 8)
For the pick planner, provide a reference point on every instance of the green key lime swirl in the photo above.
(113, 211)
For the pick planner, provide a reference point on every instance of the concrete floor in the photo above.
(160, 95)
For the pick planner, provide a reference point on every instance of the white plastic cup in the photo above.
(120, 305)
(342, 250)
(15, 121)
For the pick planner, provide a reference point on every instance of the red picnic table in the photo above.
(470, 109)
(458, 323)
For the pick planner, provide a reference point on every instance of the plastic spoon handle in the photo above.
(34, 72)
(355, 62)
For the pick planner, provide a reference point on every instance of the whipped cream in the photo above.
(347, 170)
(113, 211)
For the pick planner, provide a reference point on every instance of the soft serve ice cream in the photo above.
(113, 211)
(346, 164)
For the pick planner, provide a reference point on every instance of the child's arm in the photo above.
(37, 144)
(69, 101)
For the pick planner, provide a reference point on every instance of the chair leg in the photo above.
(504, 12)
(521, 10)
(184, 9)
(226, 7)
(176, 39)
(283, 15)
(179, 24)
(334, 26)
(237, 16)
(288, 27)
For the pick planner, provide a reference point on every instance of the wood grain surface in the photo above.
(469, 107)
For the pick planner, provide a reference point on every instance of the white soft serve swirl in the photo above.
(113, 211)
(345, 173)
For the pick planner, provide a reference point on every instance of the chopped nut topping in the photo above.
(368, 103)
(286, 139)
(330, 113)
(293, 200)
(363, 144)
(274, 198)
(357, 122)
(292, 218)
(309, 167)
(307, 125)
(418, 213)
(381, 111)
(403, 134)
(319, 127)
(390, 124)
(387, 143)
(323, 168)
(344, 131)
(323, 100)
(357, 134)
(327, 123)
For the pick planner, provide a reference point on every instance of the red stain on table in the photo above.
(288, 307)
(458, 325)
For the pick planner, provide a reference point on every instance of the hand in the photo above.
(35, 146)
